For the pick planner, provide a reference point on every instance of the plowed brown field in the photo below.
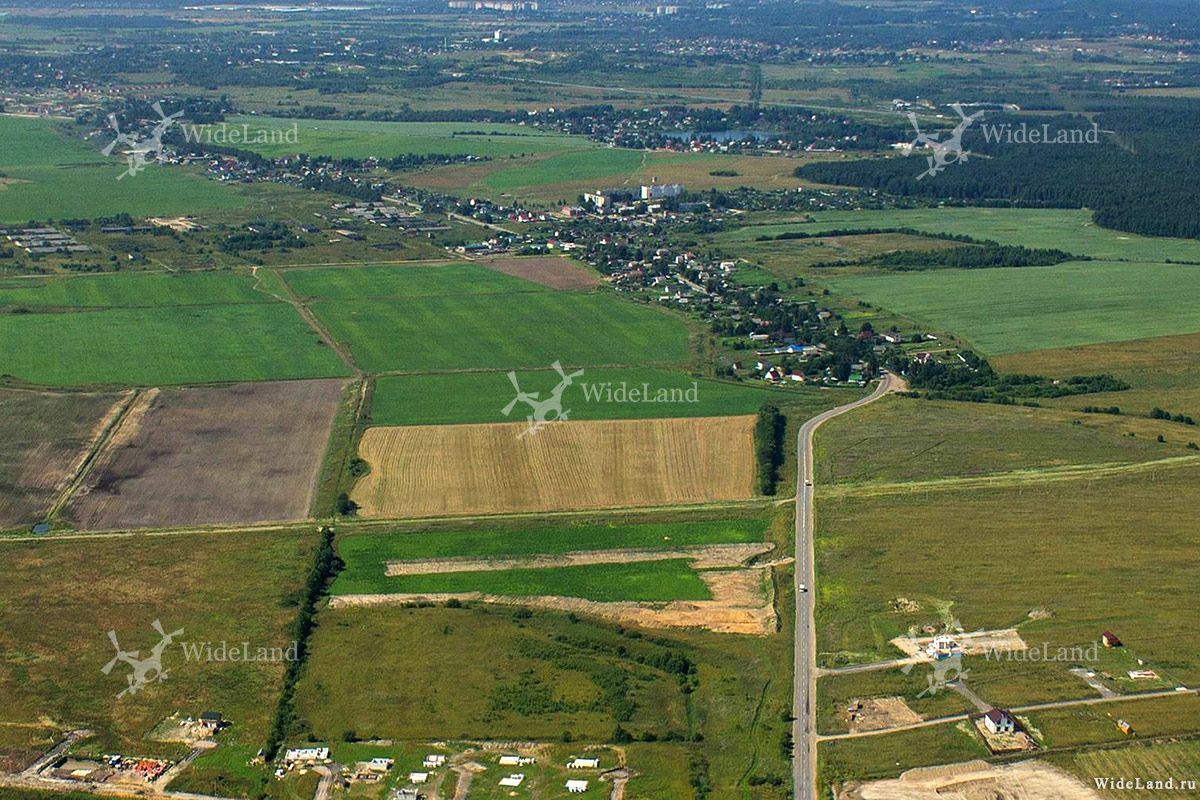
(430, 470)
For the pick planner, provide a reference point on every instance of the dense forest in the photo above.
(1139, 175)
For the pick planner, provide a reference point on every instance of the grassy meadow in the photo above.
(1017, 310)
(49, 173)
(231, 588)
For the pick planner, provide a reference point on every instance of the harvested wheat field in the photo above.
(44, 439)
(195, 456)
(557, 272)
(432, 470)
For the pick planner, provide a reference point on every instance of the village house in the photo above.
(999, 721)
(583, 763)
(1109, 639)
(577, 787)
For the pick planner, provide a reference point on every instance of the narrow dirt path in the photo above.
(99, 445)
(293, 299)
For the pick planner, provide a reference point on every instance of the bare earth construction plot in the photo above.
(246, 453)
(422, 471)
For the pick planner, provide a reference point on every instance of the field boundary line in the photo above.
(1072, 472)
(309, 317)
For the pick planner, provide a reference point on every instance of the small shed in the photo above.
(577, 787)
(1109, 639)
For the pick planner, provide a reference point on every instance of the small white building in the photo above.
(583, 763)
(516, 761)
(997, 720)
(514, 780)
(380, 764)
(418, 777)
(942, 646)
(577, 787)
(433, 761)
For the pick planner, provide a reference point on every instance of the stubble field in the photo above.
(477, 469)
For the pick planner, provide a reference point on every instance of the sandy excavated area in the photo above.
(742, 602)
(714, 556)
(436, 470)
(881, 713)
(977, 780)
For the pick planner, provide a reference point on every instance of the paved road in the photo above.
(804, 756)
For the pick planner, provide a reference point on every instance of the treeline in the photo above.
(979, 256)
(260, 235)
(324, 568)
(974, 380)
(768, 447)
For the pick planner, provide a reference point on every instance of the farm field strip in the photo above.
(710, 556)
(606, 464)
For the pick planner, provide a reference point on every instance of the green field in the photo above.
(1035, 308)
(481, 396)
(51, 174)
(447, 330)
(366, 139)
(366, 552)
(648, 581)
(154, 346)
(408, 281)
(130, 291)
(1066, 229)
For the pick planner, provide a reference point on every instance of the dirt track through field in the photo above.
(742, 602)
(232, 454)
(712, 556)
(431, 470)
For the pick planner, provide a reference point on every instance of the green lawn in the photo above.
(364, 138)
(644, 581)
(1036, 308)
(264, 341)
(1067, 229)
(50, 174)
(888, 755)
(365, 553)
(115, 290)
(480, 397)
